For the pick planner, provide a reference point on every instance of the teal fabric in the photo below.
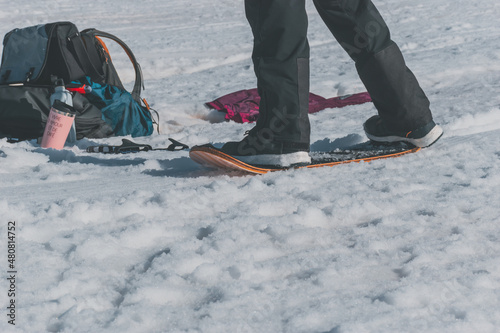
(124, 114)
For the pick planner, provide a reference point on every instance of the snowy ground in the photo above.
(151, 242)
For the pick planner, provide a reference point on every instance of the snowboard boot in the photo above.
(256, 149)
(377, 130)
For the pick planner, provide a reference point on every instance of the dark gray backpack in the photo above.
(34, 58)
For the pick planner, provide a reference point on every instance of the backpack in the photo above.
(34, 58)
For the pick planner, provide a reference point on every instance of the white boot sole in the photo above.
(283, 160)
(425, 141)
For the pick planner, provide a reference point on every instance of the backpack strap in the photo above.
(138, 85)
(84, 59)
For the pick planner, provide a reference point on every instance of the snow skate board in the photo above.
(213, 157)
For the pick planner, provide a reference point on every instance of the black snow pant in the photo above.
(281, 62)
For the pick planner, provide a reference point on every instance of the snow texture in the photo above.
(152, 242)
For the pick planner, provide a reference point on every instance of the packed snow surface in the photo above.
(152, 242)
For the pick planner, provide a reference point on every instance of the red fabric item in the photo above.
(243, 106)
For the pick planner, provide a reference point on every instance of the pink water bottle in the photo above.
(65, 96)
(58, 125)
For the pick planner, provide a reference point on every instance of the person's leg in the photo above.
(360, 29)
(281, 62)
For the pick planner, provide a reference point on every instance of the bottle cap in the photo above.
(63, 107)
